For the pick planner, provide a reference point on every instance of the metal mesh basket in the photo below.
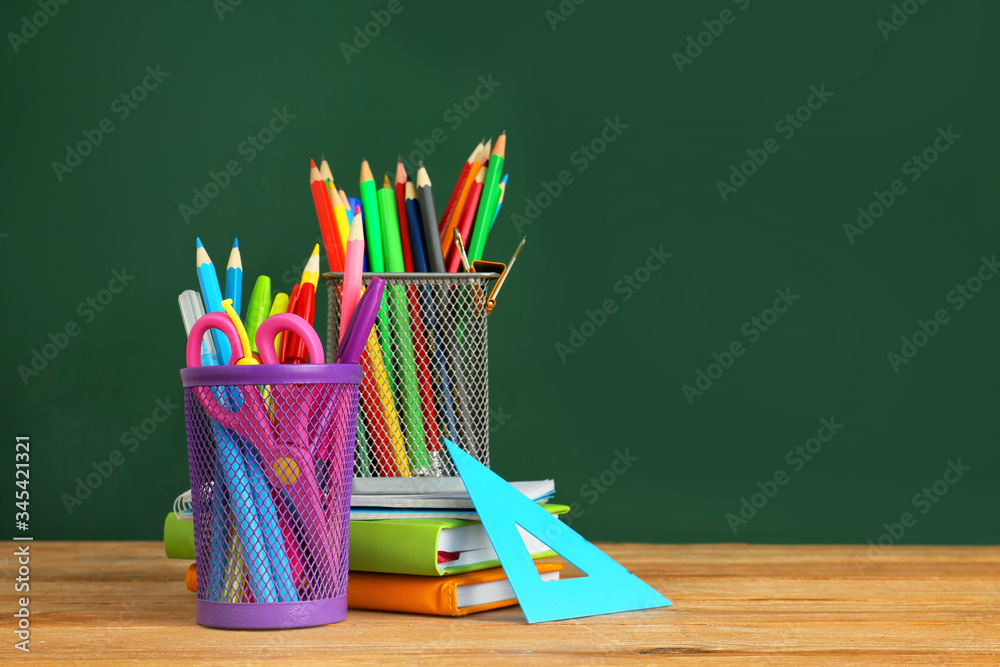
(270, 450)
(425, 373)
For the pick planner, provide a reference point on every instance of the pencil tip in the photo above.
(312, 163)
(198, 241)
(236, 243)
(421, 164)
(399, 158)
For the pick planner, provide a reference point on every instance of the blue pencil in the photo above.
(503, 191)
(234, 277)
(212, 295)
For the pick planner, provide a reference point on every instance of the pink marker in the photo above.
(352, 272)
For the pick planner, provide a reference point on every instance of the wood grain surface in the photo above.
(125, 602)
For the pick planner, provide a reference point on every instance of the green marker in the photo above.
(258, 308)
(392, 246)
(488, 204)
(373, 231)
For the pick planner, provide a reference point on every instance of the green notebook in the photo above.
(403, 546)
(431, 547)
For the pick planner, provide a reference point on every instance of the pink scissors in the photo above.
(287, 461)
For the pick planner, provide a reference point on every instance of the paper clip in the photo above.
(483, 266)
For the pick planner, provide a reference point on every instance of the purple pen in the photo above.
(356, 337)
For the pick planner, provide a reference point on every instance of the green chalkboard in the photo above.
(757, 301)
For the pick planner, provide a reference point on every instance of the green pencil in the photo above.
(488, 204)
(373, 231)
(392, 248)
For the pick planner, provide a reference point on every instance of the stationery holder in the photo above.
(270, 451)
(425, 374)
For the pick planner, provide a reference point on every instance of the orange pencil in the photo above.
(458, 186)
(456, 214)
(468, 215)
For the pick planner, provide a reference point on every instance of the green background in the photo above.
(656, 184)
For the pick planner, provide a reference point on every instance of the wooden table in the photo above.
(99, 602)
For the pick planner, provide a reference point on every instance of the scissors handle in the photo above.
(272, 326)
(218, 321)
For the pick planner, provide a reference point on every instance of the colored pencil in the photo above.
(503, 191)
(404, 226)
(488, 202)
(340, 214)
(468, 213)
(327, 227)
(459, 184)
(351, 292)
(373, 230)
(392, 249)
(417, 241)
(324, 169)
(428, 219)
(212, 294)
(310, 274)
(234, 277)
(456, 215)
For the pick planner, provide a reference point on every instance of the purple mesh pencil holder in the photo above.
(271, 456)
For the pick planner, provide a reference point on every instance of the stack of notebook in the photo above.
(423, 553)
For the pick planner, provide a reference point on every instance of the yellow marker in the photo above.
(287, 470)
(279, 305)
(247, 360)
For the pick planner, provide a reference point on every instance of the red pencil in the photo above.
(404, 228)
(458, 187)
(328, 229)
(468, 216)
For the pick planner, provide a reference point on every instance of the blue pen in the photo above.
(234, 277)
(212, 295)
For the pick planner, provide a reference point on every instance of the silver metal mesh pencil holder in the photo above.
(425, 373)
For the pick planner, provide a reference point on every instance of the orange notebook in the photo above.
(453, 595)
